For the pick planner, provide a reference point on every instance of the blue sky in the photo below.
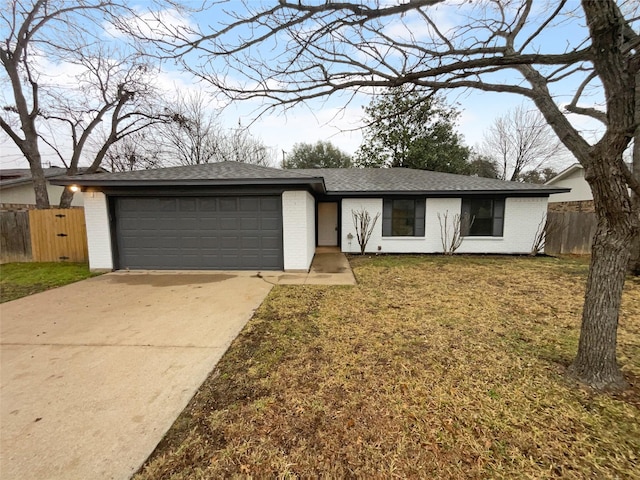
(336, 120)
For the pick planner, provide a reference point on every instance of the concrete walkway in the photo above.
(93, 374)
(329, 267)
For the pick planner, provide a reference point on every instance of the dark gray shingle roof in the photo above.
(356, 181)
(17, 176)
(205, 171)
(361, 180)
(227, 173)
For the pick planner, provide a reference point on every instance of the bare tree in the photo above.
(364, 225)
(138, 151)
(108, 96)
(239, 145)
(193, 136)
(521, 140)
(548, 227)
(114, 100)
(451, 231)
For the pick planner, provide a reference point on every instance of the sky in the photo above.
(330, 119)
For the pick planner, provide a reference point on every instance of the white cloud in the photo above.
(158, 25)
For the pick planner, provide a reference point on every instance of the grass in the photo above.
(21, 279)
(430, 367)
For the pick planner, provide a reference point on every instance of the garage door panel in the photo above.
(208, 224)
(187, 224)
(207, 204)
(199, 232)
(229, 224)
(269, 224)
(252, 223)
(188, 204)
(228, 204)
(190, 242)
(229, 242)
(209, 243)
(270, 204)
(249, 204)
(248, 243)
(167, 205)
(270, 243)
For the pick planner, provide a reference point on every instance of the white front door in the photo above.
(327, 224)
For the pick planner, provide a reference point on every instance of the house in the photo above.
(580, 197)
(573, 178)
(239, 216)
(16, 187)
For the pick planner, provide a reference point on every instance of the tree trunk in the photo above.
(66, 198)
(67, 195)
(595, 363)
(634, 263)
(39, 184)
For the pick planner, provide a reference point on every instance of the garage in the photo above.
(198, 232)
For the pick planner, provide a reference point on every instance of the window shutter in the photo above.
(387, 211)
(498, 217)
(465, 217)
(418, 225)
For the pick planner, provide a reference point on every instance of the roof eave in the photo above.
(565, 173)
(450, 193)
(83, 182)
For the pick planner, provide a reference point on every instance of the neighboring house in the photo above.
(16, 187)
(239, 216)
(579, 198)
(573, 178)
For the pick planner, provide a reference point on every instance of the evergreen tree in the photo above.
(408, 129)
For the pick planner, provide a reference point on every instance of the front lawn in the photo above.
(431, 367)
(22, 279)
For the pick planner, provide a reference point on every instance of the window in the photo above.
(403, 217)
(482, 217)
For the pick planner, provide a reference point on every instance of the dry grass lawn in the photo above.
(430, 367)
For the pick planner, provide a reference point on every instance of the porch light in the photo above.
(74, 188)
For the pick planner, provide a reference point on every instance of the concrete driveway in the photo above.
(93, 374)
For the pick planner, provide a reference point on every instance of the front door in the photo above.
(327, 224)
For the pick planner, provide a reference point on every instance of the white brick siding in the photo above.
(298, 229)
(96, 214)
(522, 217)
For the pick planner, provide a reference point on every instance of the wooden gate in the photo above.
(58, 235)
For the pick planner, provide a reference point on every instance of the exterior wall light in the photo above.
(74, 188)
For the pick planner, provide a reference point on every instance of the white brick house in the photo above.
(238, 216)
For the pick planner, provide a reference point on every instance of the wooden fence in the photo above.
(570, 232)
(53, 235)
(15, 237)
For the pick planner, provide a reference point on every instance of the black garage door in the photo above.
(235, 233)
